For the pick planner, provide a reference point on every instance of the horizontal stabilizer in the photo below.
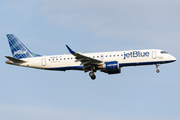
(15, 60)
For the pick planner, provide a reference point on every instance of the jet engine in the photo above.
(111, 67)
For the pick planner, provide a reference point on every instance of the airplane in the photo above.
(107, 62)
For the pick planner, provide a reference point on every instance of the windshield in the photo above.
(164, 52)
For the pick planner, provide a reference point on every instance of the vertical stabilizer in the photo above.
(18, 49)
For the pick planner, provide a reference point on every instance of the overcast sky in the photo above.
(46, 26)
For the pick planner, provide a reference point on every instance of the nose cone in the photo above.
(173, 58)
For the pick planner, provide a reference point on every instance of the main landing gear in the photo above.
(92, 75)
(157, 70)
(92, 69)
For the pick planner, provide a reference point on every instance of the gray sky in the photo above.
(45, 26)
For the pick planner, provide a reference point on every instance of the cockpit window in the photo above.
(164, 52)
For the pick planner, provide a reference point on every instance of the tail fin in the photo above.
(18, 49)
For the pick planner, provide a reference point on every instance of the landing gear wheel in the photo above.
(92, 75)
(157, 70)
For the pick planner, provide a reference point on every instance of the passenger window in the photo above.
(114, 55)
(64, 58)
(109, 55)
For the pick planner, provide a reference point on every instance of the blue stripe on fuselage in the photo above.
(66, 68)
(147, 63)
(120, 65)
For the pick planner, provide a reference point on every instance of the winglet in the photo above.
(71, 51)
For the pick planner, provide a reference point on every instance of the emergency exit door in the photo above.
(43, 61)
(154, 54)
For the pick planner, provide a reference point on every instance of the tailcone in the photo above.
(9, 62)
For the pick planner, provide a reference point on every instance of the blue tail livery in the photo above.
(18, 49)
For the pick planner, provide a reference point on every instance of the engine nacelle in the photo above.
(112, 71)
(111, 67)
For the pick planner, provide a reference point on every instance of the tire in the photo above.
(157, 70)
(91, 74)
(93, 77)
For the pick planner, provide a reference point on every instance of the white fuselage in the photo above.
(125, 58)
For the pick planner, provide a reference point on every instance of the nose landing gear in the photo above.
(157, 70)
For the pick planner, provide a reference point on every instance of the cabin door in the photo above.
(154, 54)
(43, 61)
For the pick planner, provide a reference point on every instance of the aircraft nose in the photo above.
(173, 58)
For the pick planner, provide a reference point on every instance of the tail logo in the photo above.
(18, 49)
(20, 52)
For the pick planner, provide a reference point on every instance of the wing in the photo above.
(85, 60)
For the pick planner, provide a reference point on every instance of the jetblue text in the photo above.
(136, 54)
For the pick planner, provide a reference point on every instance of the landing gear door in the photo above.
(43, 61)
(154, 54)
